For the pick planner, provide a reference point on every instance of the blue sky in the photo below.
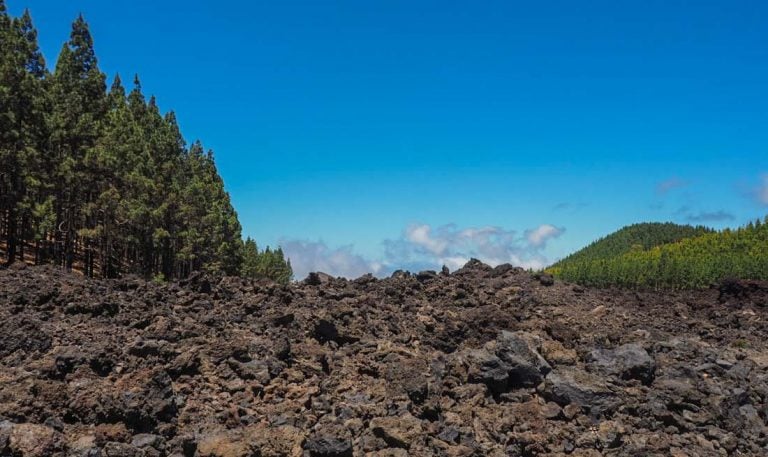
(382, 134)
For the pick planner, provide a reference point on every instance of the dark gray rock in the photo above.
(518, 351)
(568, 385)
(511, 361)
(143, 440)
(318, 278)
(629, 361)
(326, 331)
(488, 369)
(426, 275)
(546, 280)
(5, 435)
(282, 348)
(449, 435)
(328, 446)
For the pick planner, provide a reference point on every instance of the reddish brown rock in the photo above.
(482, 361)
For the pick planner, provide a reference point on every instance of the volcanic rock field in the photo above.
(477, 362)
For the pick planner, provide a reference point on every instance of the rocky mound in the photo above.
(480, 362)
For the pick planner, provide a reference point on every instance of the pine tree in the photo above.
(78, 92)
(22, 120)
(36, 209)
(170, 163)
(250, 259)
(267, 264)
(111, 159)
(212, 236)
(8, 134)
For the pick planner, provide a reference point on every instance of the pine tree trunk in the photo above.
(57, 239)
(11, 236)
(20, 239)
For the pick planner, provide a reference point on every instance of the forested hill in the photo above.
(669, 256)
(99, 179)
(641, 236)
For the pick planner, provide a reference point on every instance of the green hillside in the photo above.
(642, 236)
(669, 256)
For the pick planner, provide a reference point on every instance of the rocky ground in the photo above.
(479, 362)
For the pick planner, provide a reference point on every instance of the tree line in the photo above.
(699, 260)
(100, 180)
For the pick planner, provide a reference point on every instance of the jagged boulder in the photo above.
(318, 278)
(328, 446)
(572, 386)
(629, 361)
(511, 361)
(29, 440)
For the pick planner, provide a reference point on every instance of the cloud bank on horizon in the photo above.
(421, 246)
(307, 256)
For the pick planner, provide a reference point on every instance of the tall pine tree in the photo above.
(22, 128)
(78, 93)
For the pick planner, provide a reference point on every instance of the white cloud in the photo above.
(454, 262)
(541, 234)
(425, 247)
(308, 256)
(421, 246)
(420, 235)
